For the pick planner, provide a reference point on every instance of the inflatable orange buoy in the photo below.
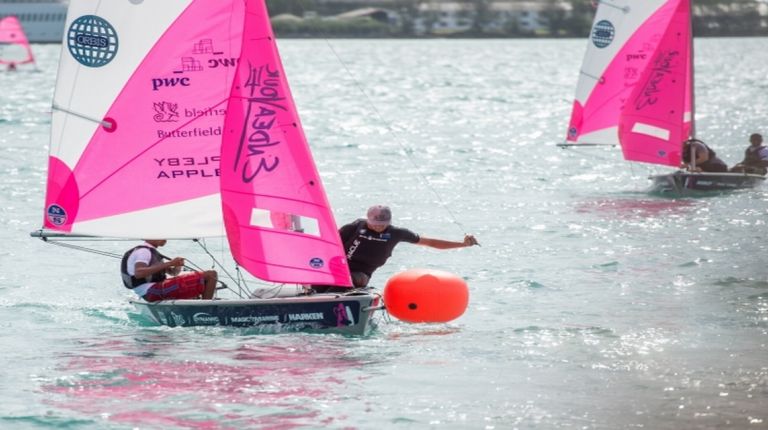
(424, 295)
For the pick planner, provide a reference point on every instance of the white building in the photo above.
(447, 17)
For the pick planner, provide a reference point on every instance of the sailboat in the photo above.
(14, 45)
(636, 90)
(184, 127)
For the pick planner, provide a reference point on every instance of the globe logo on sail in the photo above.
(603, 33)
(316, 262)
(92, 41)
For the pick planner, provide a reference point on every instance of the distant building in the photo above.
(447, 17)
(383, 16)
(43, 20)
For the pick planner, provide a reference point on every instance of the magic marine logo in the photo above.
(603, 34)
(92, 41)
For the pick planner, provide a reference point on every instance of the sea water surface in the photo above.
(594, 304)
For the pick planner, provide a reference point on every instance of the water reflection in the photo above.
(628, 208)
(162, 380)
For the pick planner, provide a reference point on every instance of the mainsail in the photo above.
(164, 127)
(657, 116)
(137, 118)
(14, 46)
(624, 36)
(278, 219)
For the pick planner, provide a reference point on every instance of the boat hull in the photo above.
(682, 183)
(327, 313)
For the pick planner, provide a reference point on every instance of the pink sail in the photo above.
(146, 165)
(277, 216)
(14, 46)
(624, 35)
(653, 122)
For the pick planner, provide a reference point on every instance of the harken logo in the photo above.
(316, 262)
(603, 33)
(56, 215)
(92, 41)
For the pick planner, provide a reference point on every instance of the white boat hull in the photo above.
(327, 313)
(682, 183)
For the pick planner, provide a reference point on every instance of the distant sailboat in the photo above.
(184, 127)
(636, 90)
(14, 46)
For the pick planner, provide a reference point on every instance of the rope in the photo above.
(190, 265)
(398, 139)
(83, 248)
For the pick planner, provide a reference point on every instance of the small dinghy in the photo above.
(636, 90)
(182, 128)
(682, 183)
(15, 50)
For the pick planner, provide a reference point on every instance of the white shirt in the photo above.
(140, 255)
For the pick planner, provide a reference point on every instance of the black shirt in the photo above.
(368, 250)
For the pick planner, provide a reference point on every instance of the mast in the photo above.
(692, 74)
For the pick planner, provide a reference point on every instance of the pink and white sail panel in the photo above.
(14, 45)
(277, 216)
(656, 118)
(138, 116)
(623, 37)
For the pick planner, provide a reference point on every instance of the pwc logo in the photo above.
(158, 83)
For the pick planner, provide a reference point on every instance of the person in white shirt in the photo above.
(144, 271)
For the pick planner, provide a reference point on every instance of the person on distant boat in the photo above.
(369, 242)
(144, 272)
(705, 159)
(11, 67)
(755, 157)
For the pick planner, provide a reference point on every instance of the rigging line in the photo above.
(83, 248)
(241, 284)
(220, 266)
(398, 138)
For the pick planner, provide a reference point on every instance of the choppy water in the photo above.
(594, 305)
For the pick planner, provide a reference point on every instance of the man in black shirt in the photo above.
(369, 242)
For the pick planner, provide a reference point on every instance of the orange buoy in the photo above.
(425, 295)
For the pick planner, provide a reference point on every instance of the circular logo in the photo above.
(316, 262)
(92, 41)
(573, 132)
(56, 215)
(603, 33)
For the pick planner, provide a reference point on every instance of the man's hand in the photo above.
(470, 240)
(175, 265)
